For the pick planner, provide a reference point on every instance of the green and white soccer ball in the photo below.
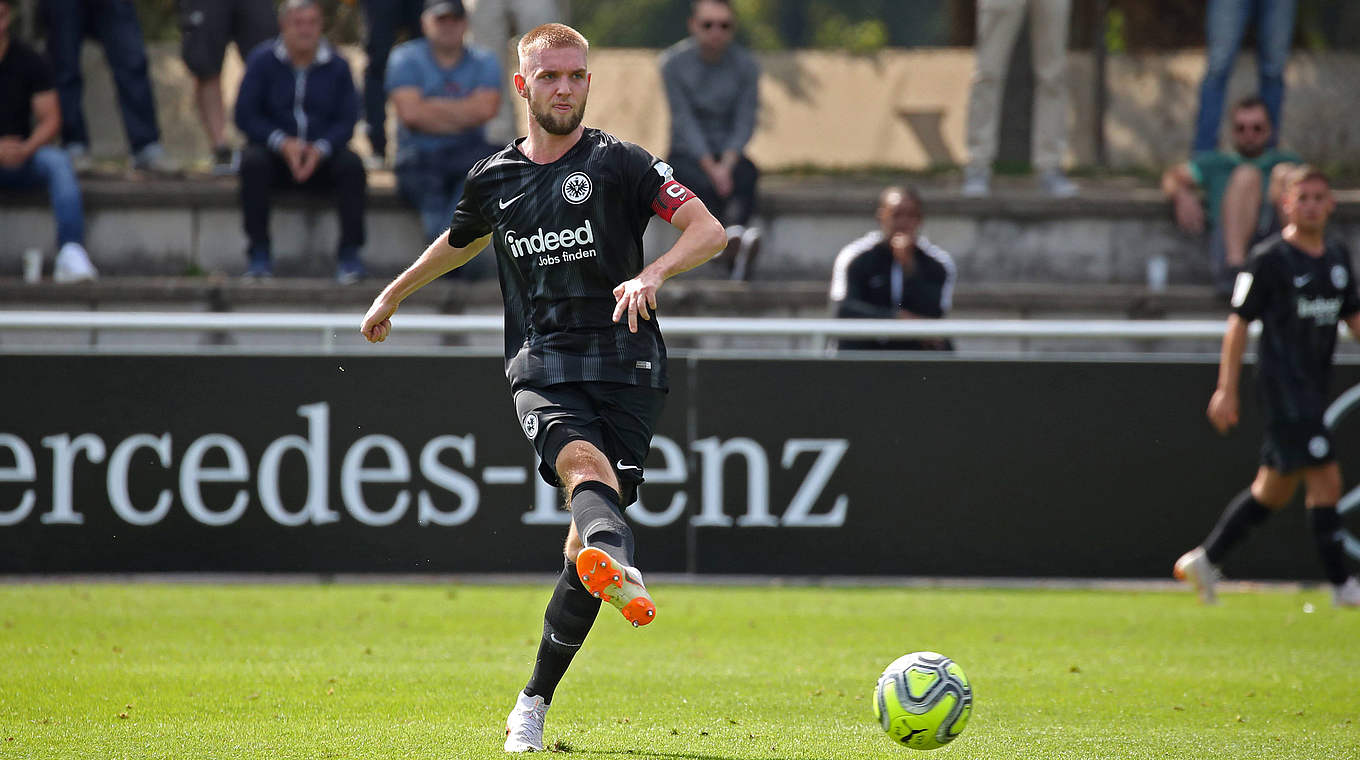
(923, 700)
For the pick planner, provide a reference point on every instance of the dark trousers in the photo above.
(263, 170)
(384, 19)
(433, 181)
(735, 208)
(114, 24)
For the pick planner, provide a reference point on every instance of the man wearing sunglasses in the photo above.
(711, 85)
(1229, 193)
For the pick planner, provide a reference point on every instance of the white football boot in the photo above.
(1195, 568)
(524, 727)
(1347, 594)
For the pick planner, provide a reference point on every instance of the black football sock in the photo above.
(570, 614)
(599, 521)
(1326, 524)
(1243, 513)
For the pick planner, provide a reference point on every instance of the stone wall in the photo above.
(900, 108)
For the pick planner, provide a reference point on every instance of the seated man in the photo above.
(298, 106)
(893, 273)
(1237, 205)
(444, 93)
(30, 118)
(711, 86)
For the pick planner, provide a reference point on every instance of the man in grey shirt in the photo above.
(711, 85)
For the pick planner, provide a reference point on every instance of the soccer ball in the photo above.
(923, 700)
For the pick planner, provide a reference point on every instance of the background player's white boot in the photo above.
(524, 727)
(1195, 568)
(1347, 594)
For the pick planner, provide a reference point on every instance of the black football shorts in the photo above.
(1293, 445)
(616, 418)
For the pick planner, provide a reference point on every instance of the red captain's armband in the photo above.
(669, 199)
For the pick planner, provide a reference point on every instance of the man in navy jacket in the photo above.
(297, 107)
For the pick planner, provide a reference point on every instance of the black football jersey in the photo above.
(564, 235)
(1299, 298)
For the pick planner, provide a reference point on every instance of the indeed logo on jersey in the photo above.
(1323, 311)
(550, 243)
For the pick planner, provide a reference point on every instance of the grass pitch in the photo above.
(770, 673)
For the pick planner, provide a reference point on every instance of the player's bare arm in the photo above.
(701, 238)
(437, 260)
(1223, 405)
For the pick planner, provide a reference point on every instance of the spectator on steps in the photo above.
(1231, 196)
(1226, 22)
(206, 27)
(893, 273)
(444, 93)
(711, 86)
(298, 106)
(998, 24)
(114, 24)
(386, 20)
(30, 118)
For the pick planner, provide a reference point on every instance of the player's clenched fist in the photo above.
(636, 297)
(1223, 411)
(378, 321)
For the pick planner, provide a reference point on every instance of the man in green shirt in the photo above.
(1229, 193)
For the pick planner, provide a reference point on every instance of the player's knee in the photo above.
(1273, 491)
(579, 462)
(1325, 493)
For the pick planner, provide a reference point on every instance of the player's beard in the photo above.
(559, 124)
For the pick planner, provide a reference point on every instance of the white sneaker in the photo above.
(1056, 184)
(1195, 568)
(524, 727)
(1347, 594)
(73, 264)
(81, 161)
(155, 160)
(977, 182)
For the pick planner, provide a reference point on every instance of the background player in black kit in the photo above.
(1298, 284)
(565, 209)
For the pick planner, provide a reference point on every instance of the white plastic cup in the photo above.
(1157, 273)
(33, 261)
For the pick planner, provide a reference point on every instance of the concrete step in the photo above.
(1107, 235)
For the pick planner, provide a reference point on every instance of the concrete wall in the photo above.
(899, 108)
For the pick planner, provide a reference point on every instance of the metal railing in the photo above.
(331, 325)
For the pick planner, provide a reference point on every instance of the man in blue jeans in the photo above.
(114, 23)
(444, 93)
(1225, 24)
(29, 119)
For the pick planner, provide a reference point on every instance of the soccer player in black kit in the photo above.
(564, 209)
(1299, 284)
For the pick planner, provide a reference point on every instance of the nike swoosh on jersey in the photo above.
(1302, 280)
(620, 465)
(506, 204)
